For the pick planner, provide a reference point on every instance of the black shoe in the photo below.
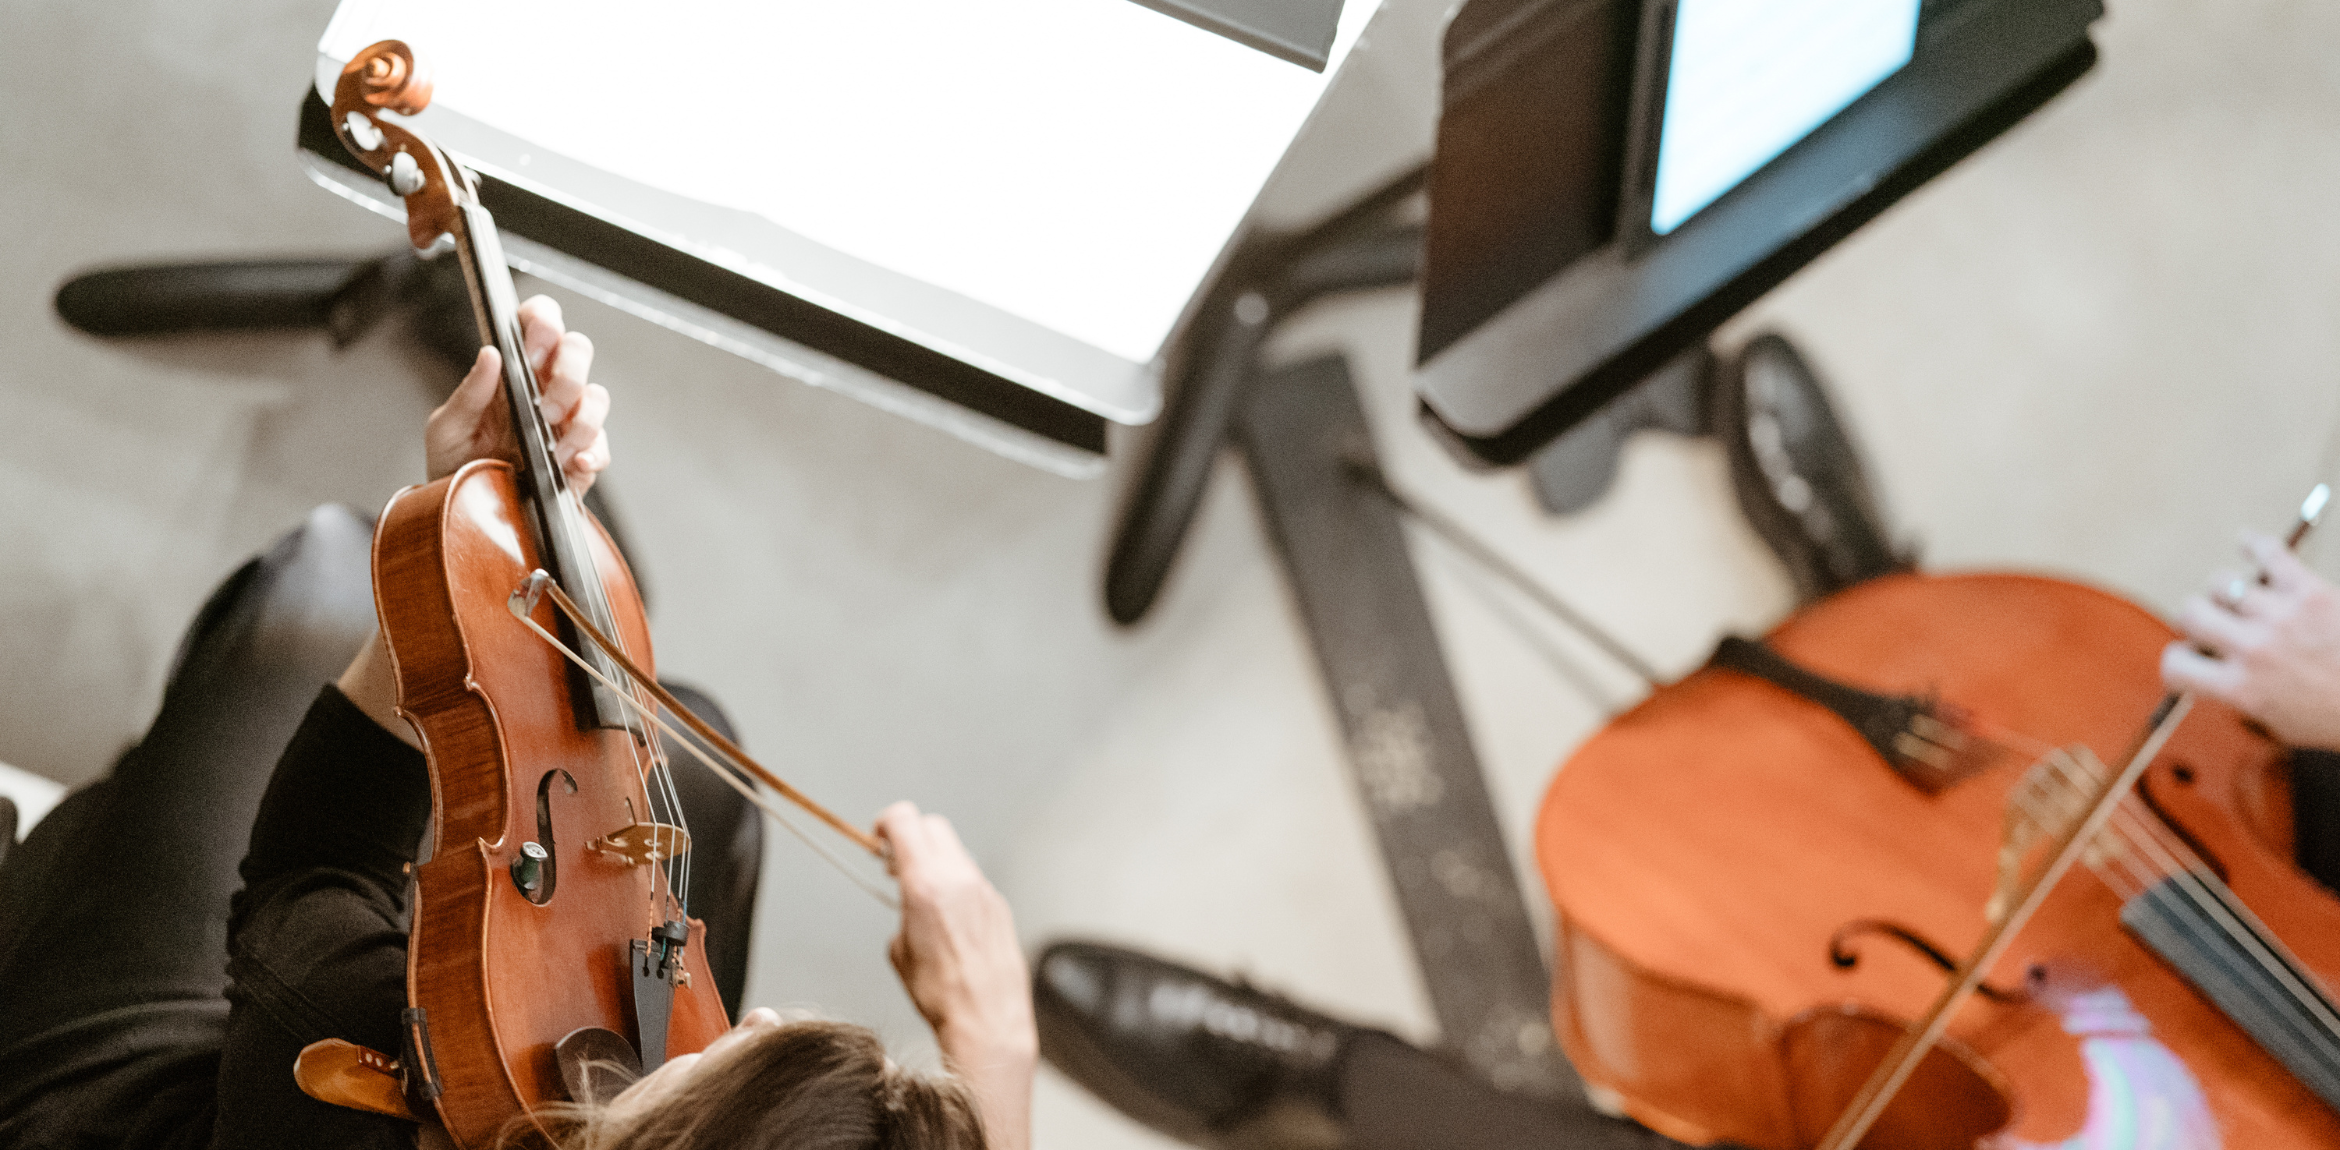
(1798, 477)
(1200, 1059)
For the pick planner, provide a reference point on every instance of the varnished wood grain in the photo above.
(504, 978)
(1703, 847)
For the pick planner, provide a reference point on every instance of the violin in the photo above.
(1755, 897)
(552, 908)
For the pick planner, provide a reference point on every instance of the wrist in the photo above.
(998, 1069)
(991, 1042)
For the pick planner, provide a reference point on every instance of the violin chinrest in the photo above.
(345, 1074)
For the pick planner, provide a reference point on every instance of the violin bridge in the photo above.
(644, 843)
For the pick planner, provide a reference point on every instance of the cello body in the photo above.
(504, 976)
(1705, 847)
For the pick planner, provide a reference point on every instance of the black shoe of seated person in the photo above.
(1798, 477)
(1203, 1060)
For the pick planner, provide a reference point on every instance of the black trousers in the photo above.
(114, 910)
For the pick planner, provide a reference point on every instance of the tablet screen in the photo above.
(1746, 79)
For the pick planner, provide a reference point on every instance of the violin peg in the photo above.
(406, 176)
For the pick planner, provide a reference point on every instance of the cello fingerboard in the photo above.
(2251, 978)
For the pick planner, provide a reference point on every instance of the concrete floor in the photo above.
(2096, 350)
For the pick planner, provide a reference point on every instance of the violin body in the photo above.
(1704, 848)
(504, 976)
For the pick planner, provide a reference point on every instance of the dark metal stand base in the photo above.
(1305, 438)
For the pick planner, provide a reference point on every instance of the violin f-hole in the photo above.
(537, 868)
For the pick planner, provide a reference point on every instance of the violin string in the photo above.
(2149, 852)
(541, 452)
(773, 812)
(721, 771)
(657, 776)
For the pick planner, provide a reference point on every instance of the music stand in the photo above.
(1502, 376)
(1035, 365)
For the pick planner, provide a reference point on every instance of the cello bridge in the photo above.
(2053, 796)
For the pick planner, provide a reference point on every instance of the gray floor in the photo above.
(2096, 350)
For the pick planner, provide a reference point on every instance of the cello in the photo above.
(1736, 867)
(551, 916)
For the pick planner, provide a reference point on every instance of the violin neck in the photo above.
(561, 522)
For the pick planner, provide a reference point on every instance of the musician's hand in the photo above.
(2273, 649)
(959, 959)
(475, 424)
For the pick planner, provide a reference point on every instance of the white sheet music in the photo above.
(1079, 163)
(1749, 78)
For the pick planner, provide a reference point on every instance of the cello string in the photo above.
(2148, 852)
(2215, 903)
(2151, 853)
(1923, 1034)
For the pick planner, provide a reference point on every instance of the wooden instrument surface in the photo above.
(504, 978)
(1702, 850)
(550, 857)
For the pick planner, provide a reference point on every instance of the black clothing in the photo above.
(114, 910)
(1397, 1096)
(1224, 1065)
(146, 1008)
(317, 937)
(2315, 814)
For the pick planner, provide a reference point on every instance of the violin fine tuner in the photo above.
(656, 965)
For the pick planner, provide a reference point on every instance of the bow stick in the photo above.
(539, 584)
(1923, 1034)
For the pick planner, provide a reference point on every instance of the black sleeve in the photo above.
(2315, 813)
(323, 957)
(317, 937)
(347, 795)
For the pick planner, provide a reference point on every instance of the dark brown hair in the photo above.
(810, 1085)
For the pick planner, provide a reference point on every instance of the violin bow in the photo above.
(1922, 1035)
(542, 585)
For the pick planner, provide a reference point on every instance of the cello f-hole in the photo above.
(1842, 955)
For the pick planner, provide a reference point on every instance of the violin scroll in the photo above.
(389, 77)
(386, 78)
